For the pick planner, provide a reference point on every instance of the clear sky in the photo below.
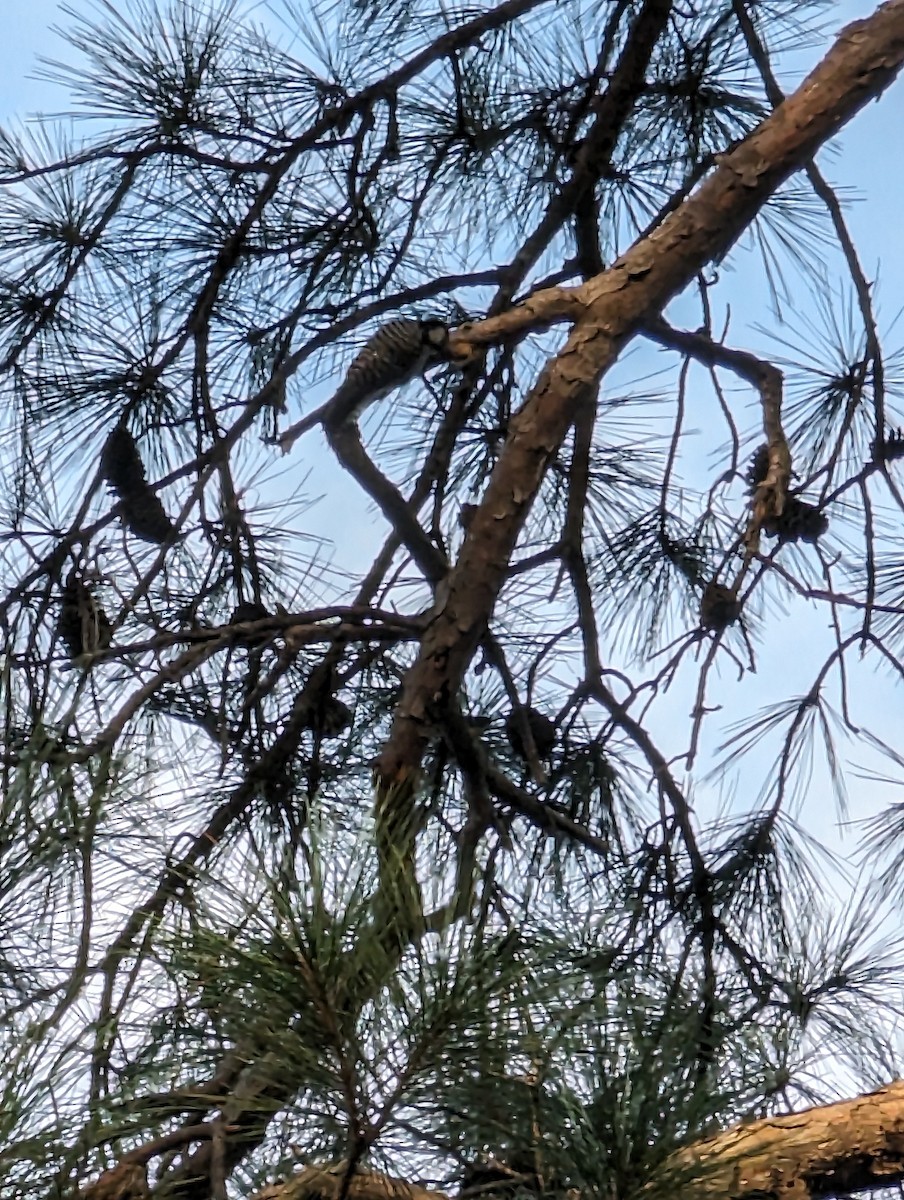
(24, 36)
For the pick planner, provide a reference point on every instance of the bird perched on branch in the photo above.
(398, 352)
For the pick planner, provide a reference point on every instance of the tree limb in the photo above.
(852, 1145)
(863, 62)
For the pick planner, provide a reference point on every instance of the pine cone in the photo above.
(719, 606)
(799, 522)
(83, 626)
(147, 519)
(542, 730)
(330, 718)
(250, 610)
(120, 461)
(142, 512)
(336, 718)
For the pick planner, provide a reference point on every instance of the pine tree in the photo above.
(473, 852)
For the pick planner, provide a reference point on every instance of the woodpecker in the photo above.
(398, 352)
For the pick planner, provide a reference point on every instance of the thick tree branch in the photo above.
(865, 59)
(348, 448)
(611, 112)
(851, 1146)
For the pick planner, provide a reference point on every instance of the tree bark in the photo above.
(865, 1138)
(850, 1146)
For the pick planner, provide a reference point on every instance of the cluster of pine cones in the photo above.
(798, 521)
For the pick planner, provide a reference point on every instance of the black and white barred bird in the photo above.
(395, 354)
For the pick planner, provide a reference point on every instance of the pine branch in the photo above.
(864, 61)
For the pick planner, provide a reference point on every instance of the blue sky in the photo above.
(25, 35)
